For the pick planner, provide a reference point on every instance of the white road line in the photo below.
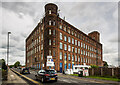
(65, 80)
(73, 81)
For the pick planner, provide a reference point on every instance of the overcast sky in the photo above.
(20, 18)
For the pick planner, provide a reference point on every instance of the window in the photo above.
(53, 42)
(65, 38)
(72, 33)
(60, 55)
(68, 30)
(39, 47)
(42, 36)
(72, 40)
(78, 36)
(75, 34)
(84, 45)
(49, 11)
(78, 43)
(65, 56)
(69, 47)
(54, 53)
(60, 45)
(75, 42)
(53, 32)
(78, 50)
(54, 23)
(60, 36)
(65, 28)
(42, 47)
(49, 42)
(49, 31)
(81, 51)
(75, 57)
(86, 60)
(69, 39)
(50, 22)
(79, 59)
(72, 49)
(42, 56)
(69, 57)
(49, 52)
(39, 38)
(65, 47)
(81, 44)
(75, 50)
(72, 58)
(84, 52)
(60, 26)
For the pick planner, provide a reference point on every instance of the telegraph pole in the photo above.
(8, 48)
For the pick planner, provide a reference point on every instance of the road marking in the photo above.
(64, 80)
(27, 78)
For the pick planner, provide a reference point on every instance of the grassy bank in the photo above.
(99, 77)
(104, 78)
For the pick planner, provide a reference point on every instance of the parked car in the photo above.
(24, 71)
(46, 75)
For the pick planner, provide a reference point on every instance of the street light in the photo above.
(8, 48)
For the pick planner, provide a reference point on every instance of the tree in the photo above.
(11, 66)
(17, 64)
(94, 66)
(2, 62)
(105, 64)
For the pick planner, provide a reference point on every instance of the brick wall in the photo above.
(113, 72)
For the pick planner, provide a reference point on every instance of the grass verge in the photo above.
(99, 77)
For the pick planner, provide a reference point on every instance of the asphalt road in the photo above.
(69, 80)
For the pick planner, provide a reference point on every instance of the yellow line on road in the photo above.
(27, 78)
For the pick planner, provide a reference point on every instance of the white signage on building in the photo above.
(49, 61)
(49, 57)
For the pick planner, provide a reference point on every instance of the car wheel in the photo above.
(55, 80)
(42, 80)
(36, 78)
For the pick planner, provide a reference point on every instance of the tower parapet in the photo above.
(95, 35)
(51, 8)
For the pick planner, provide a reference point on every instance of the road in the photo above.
(67, 79)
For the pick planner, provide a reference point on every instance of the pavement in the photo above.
(13, 79)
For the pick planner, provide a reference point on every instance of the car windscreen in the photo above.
(50, 72)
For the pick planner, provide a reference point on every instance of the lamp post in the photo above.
(8, 48)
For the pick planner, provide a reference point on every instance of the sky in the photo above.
(20, 18)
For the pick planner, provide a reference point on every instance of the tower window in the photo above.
(53, 32)
(50, 22)
(49, 31)
(49, 11)
(54, 23)
(49, 42)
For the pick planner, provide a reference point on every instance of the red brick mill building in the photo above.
(66, 44)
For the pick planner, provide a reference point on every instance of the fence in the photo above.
(113, 72)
